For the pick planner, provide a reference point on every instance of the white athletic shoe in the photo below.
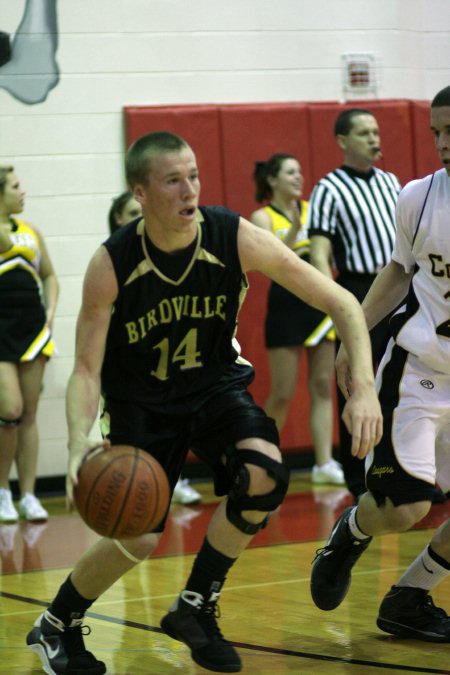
(185, 493)
(8, 513)
(328, 474)
(31, 509)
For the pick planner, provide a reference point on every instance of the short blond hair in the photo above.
(139, 157)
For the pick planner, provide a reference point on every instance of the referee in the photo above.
(351, 222)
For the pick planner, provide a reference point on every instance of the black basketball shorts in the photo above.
(227, 417)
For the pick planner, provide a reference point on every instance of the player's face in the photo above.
(170, 198)
(289, 180)
(361, 145)
(440, 126)
(12, 200)
(130, 211)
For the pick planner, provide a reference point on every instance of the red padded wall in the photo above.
(394, 119)
(199, 125)
(254, 132)
(251, 133)
(250, 335)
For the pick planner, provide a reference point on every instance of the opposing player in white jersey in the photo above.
(414, 391)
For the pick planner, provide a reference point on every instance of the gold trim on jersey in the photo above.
(242, 295)
(143, 268)
(240, 360)
(203, 254)
(147, 265)
(168, 280)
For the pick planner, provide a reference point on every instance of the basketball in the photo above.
(122, 492)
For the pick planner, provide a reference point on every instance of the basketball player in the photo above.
(414, 391)
(124, 209)
(156, 335)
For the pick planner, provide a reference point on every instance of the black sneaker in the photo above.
(411, 613)
(193, 621)
(61, 649)
(332, 567)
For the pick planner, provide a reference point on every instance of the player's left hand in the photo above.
(363, 419)
(78, 451)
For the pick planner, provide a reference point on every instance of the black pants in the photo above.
(353, 468)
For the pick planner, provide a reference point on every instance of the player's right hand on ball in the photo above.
(78, 451)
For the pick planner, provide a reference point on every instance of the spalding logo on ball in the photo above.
(122, 492)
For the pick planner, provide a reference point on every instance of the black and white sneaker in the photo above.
(193, 621)
(61, 648)
(411, 613)
(332, 567)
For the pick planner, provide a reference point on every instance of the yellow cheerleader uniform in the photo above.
(24, 333)
(289, 321)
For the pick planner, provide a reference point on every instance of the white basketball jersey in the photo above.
(422, 324)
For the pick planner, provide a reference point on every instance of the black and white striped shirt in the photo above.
(357, 212)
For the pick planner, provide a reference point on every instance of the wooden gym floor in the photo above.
(266, 607)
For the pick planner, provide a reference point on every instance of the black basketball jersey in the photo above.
(170, 343)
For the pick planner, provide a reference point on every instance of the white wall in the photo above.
(68, 151)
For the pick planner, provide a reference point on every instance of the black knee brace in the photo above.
(239, 500)
(10, 423)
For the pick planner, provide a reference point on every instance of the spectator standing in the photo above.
(292, 326)
(28, 296)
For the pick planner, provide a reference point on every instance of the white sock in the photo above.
(354, 528)
(425, 572)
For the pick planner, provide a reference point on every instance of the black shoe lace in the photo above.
(430, 608)
(74, 642)
(352, 548)
(208, 616)
(328, 547)
(319, 551)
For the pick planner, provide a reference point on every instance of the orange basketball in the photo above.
(122, 492)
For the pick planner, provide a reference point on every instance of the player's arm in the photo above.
(264, 253)
(83, 389)
(385, 294)
(260, 251)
